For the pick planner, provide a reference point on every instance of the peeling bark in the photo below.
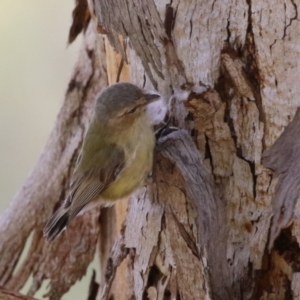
(282, 158)
(208, 54)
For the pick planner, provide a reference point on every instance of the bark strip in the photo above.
(180, 149)
(283, 159)
(11, 295)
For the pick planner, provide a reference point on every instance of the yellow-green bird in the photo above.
(116, 156)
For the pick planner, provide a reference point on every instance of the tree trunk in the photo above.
(220, 220)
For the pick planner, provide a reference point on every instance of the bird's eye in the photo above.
(131, 111)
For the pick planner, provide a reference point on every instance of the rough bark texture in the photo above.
(216, 223)
(226, 60)
(283, 158)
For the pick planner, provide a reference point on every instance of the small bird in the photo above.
(116, 156)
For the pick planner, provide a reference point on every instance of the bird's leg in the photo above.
(164, 128)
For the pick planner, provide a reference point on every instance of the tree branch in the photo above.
(11, 295)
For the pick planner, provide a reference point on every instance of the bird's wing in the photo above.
(86, 185)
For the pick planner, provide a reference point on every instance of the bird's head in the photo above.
(123, 103)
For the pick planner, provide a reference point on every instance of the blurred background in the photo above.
(35, 67)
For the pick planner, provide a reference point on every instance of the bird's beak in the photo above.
(151, 98)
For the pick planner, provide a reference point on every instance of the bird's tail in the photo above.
(57, 223)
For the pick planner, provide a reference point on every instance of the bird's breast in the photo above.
(139, 161)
